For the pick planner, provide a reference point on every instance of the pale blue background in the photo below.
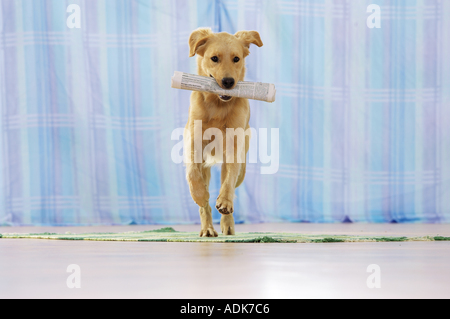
(87, 114)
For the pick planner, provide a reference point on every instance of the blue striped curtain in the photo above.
(87, 113)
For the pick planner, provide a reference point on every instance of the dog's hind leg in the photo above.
(206, 220)
(205, 210)
(227, 224)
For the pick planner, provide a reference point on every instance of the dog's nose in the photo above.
(228, 82)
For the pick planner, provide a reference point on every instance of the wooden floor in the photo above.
(38, 268)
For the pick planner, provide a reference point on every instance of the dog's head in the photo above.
(222, 55)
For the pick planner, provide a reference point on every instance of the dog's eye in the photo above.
(236, 59)
(215, 59)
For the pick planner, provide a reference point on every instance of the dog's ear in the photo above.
(248, 37)
(197, 41)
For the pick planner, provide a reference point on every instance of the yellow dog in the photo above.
(222, 57)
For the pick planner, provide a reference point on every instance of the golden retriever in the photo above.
(222, 57)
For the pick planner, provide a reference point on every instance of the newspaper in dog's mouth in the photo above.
(244, 89)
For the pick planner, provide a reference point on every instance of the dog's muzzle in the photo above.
(224, 98)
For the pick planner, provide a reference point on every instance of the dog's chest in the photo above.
(211, 160)
(214, 143)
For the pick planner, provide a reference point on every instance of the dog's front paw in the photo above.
(208, 232)
(224, 206)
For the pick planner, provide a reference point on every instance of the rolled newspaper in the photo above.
(248, 90)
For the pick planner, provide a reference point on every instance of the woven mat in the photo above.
(168, 234)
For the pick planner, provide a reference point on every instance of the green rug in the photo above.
(168, 234)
